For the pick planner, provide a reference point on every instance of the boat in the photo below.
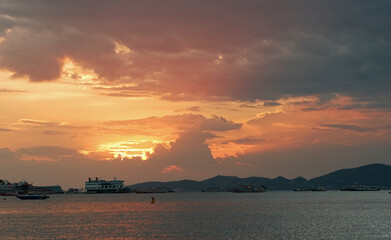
(144, 190)
(249, 189)
(7, 189)
(74, 191)
(32, 197)
(361, 188)
(8, 193)
(102, 186)
(318, 189)
(55, 189)
(153, 190)
(310, 189)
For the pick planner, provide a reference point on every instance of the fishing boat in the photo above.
(32, 197)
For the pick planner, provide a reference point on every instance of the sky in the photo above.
(169, 90)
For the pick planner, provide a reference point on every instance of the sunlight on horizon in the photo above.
(128, 149)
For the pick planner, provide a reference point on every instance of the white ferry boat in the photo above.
(102, 186)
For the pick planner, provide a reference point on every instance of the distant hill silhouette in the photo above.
(373, 174)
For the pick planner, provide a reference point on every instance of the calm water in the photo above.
(193, 215)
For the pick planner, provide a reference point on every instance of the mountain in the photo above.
(373, 174)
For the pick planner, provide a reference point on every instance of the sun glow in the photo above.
(129, 149)
(72, 70)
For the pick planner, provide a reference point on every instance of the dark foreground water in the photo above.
(196, 215)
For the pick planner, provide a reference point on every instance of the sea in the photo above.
(200, 215)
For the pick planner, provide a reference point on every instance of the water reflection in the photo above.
(271, 215)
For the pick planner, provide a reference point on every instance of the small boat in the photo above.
(318, 189)
(32, 197)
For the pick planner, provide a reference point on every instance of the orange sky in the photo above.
(173, 96)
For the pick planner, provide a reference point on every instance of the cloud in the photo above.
(172, 168)
(40, 123)
(249, 141)
(270, 104)
(53, 132)
(306, 161)
(3, 90)
(246, 54)
(183, 122)
(53, 153)
(6, 153)
(348, 127)
(189, 152)
(246, 105)
(266, 117)
(187, 157)
(194, 109)
(190, 109)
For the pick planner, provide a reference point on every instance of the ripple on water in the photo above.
(270, 215)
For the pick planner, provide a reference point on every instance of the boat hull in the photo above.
(32, 197)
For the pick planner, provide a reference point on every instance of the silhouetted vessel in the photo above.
(153, 190)
(102, 186)
(318, 189)
(32, 197)
(55, 189)
(249, 189)
(310, 189)
(13, 189)
(75, 191)
(361, 188)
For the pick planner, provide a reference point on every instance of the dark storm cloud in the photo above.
(246, 51)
